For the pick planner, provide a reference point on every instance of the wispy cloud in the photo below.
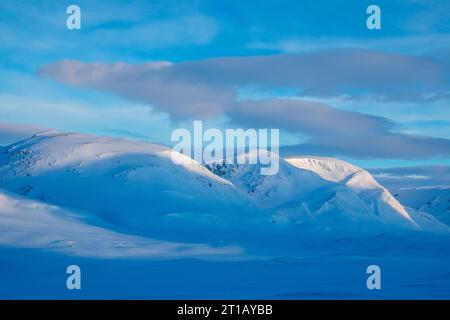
(417, 44)
(109, 29)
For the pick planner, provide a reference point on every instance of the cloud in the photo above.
(154, 83)
(338, 132)
(109, 30)
(417, 44)
(391, 176)
(351, 72)
(420, 176)
(208, 89)
(429, 16)
(197, 86)
(194, 29)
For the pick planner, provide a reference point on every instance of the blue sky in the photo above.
(375, 97)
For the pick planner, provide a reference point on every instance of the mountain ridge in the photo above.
(135, 184)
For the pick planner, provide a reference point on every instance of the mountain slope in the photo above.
(135, 185)
(434, 200)
(10, 133)
(323, 191)
(357, 179)
(33, 224)
(123, 182)
(424, 188)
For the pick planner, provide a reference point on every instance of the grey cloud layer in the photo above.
(208, 88)
(334, 131)
(155, 83)
(351, 72)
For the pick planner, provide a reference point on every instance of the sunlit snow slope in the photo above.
(324, 191)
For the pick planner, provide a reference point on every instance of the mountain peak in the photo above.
(330, 169)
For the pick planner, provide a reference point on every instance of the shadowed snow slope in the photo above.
(31, 224)
(424, 188)
(431, 199)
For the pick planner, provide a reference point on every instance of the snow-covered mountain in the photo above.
(125, 183)
(362, 182)
(324, 191)
(424, 189)
(431, 199)
(10, 133)
(134, 187)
